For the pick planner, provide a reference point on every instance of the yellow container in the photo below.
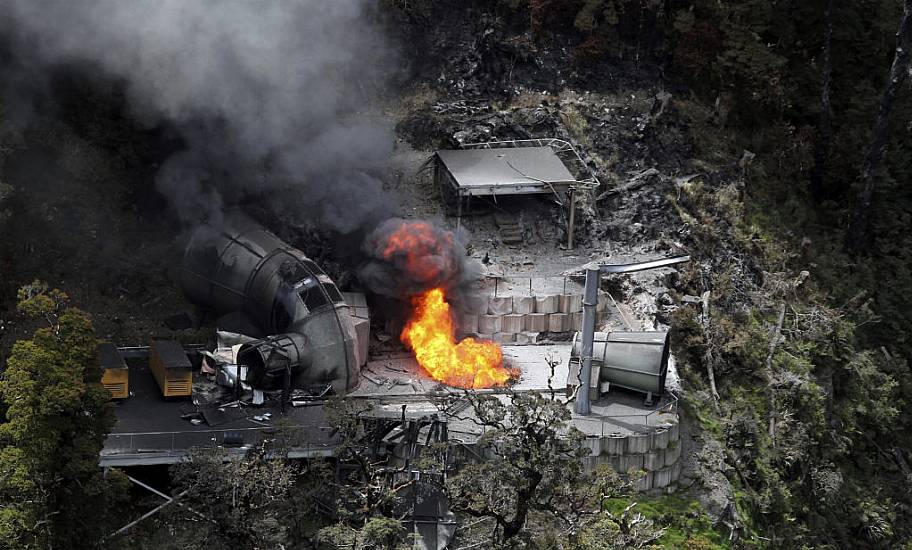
(115, 376)
(171, 368)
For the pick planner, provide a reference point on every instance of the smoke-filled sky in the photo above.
(266, 95)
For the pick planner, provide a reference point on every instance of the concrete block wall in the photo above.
(655, 453)
(504, 318)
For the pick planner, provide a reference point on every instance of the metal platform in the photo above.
(150, 429)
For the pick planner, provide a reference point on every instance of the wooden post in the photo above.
(572, 218)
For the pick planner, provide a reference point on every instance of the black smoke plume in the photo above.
(268, 98)
(408, 257)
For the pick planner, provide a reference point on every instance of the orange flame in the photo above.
(469, 363)
(427, 255)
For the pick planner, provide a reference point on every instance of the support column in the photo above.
(590, 300)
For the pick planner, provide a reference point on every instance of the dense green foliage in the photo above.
(57, 414)
(809, 343)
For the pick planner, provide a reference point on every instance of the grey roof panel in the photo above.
(171, 353)
(505, 166)
(109, 357)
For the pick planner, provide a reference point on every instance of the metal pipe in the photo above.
(590, 300)
(642, 266)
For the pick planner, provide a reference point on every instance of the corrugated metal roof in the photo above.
(505, 166)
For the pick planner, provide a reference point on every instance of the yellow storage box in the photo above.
(171, 367)
(115, 376)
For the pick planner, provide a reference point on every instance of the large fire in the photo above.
(431, 334)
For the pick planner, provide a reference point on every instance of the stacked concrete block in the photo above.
(654, 460)
(504, 337)
(500, 305)
(468, 323)
(547, 304)
(558, 322)
(614, 445)
(512, 323)
(476, 304)
(639, 443)
(672, 454)
(630, 462)
(527, 337)
(537, 322)
(576, 322)
(489, 324)
(484, 336)
(523, 304)
(656, 453)
(571, 303)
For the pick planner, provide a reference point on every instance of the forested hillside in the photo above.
(779, 138)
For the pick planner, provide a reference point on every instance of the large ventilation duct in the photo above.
(241, 267)
(632, 360)
(271, 359)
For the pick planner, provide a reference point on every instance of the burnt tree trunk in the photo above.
(824, 125)
(858, 235)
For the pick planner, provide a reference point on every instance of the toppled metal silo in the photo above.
(239, 266)
(633, 360)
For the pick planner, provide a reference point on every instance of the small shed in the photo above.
(520, 167)
(115, 376)
(506, 171)
(171, 367)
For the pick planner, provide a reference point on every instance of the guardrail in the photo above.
(175, 442)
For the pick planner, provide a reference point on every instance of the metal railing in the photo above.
(180, 442)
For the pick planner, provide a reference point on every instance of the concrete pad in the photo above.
(500, 305)
(489, 324)
(547, 304)
(536, 322)
(512, 323)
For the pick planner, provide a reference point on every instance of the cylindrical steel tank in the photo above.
(632, 360)
(240, 266)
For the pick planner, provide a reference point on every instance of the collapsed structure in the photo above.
(309, 335)
(289, 336)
